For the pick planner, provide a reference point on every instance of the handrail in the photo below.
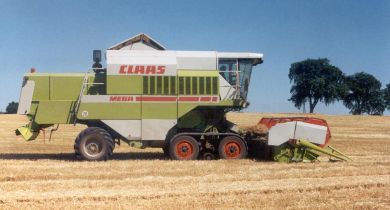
(76, 108)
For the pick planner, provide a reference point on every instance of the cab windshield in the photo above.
(237, 73)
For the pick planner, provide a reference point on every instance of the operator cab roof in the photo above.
(256, 57)
(144, 44)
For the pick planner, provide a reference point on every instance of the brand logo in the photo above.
(121, 98)
(141, 69)
(84, 113)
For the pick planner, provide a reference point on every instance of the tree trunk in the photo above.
(312, 104)
(311, 108)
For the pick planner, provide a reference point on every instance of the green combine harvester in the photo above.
(147, 96)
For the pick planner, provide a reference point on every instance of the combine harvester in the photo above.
(148, 96)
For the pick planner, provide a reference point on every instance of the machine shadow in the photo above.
(72, 157)
(122, 156)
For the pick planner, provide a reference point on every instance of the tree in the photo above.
(12, 107)
(315, 80)
(387, 96)
(364, 94)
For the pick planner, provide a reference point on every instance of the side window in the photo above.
(228, 70)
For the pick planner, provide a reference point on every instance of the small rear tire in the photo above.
(184, 148)
(232, 147)
(94, 144)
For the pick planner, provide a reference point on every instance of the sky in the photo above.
(59, 36)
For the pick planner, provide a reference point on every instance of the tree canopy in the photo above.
(315, 80)
(364, 94)
(12, 107)
(387, 96)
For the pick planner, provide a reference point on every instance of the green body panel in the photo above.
(65, 87)
(119, 84)
(110, 111)
(56, 86)
(33, 108)
(55, 93)
(53, 112)
(193, 119)
(184, 108)
(41, 90)
(55, 97)
(159, 110)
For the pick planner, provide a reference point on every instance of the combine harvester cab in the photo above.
(147, 96)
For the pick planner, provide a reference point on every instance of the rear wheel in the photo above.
(94, 143)
(184, 148)
(232, 147)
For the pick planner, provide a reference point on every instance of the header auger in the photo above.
(147, 96)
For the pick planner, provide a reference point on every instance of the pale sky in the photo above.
(59, 36)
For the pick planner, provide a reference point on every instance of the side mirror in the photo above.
(97, 56)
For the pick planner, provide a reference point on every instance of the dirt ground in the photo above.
(44, 174)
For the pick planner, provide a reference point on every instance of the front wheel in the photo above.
(232, 147)
(94, 144)
(184, 148)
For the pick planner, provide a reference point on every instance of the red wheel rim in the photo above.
(232, 149)
(184, 149)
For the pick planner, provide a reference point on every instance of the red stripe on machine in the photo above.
(188, 98)
(159, 98)
(203, 99)
(163, 99)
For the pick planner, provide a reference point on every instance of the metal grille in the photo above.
(181, 85)
(159, 85)
(208, 85)
(166, 85)
(194, 85)
(215, 85)
(146, 85)
(173, 85)
(152, 85)
(201, 85)
(188, 85)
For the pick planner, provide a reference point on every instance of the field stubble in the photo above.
(44, 174)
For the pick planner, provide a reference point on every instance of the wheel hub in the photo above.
(232, 149)
(184, 149)
(92, 149)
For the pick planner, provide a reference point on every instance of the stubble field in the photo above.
(44, 174)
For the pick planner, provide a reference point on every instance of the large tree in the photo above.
(387, 96)
(315, 80)
(12, 107)
(364, 94)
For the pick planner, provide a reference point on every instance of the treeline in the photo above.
(316, 80)
(12, 108)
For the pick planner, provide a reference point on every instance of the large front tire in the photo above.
(94, 144)
(232, 147)
(184, 148)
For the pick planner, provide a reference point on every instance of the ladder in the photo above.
(83, 87)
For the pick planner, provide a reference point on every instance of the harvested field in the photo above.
(42, 174)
